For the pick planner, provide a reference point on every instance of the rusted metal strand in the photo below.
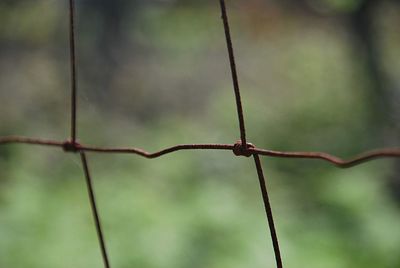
(128, 150)
(26, 140)
(268, 211)
(96, 217)
(158, 153)
(364, 157)
(72, 58)
(235, 79)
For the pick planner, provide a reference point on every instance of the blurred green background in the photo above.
(320, 75)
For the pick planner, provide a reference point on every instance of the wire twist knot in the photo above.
(240, 150)
(70, 146)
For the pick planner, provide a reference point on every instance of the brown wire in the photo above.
(268, 211)
(235, 79)
(68, 146)
(96, 217)
(241, 148)
(73, 68)
(339, 162)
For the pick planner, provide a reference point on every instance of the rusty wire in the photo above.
(73, 68)
(268, 211)
(337, 161)
(240, 148)
(96, 217)
(235, 79)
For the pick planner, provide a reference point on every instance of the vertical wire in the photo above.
(73, 68)
(239, 108)
(235, 80)
(268, 211)
(95, 213)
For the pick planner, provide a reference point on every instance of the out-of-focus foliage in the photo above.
(344, 6)
(163, 79)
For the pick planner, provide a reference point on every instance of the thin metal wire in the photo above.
(241, 148)
(268, 211)
(339, 162)
(235, 79)
(96, 217)
(73, 68)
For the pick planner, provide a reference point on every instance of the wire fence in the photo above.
(239, 148)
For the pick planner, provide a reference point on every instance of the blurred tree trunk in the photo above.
(105, 23)
(361, 24)
(384, 114)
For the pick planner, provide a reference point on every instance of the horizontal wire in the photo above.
(27, 140)
(364, 157)
(339, 162)
(162, 152)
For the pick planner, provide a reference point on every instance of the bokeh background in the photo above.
(321, 75)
